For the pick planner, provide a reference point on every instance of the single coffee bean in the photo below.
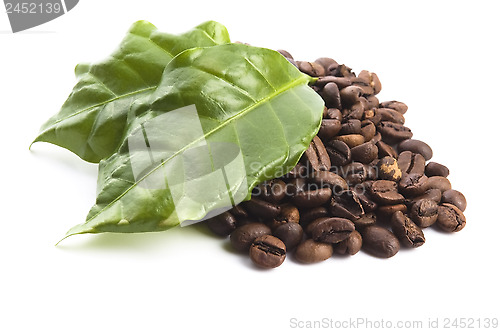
(388, 169)
(367, 203)
(351, 126)
(350, 95)
(364, 153)
(413, 184)
(379, 242)
(343, 71)
(329, 128)
(311, 68)
(238, 211)
(317, 156)
(395, 105)
(456, 198)
(436, 169)
(386, 192)
(268, 251)
(331, 95)
(309, 215)
(374, 82)
(385, 150)
(339, 152)
(416, 146)
(346, 204)
(367, 89)
(330, 180)
(288, 214)
(311, 251)
(332, 230)
(349, 246)
(410, 162)
(341, 82)
(223, 224)
(394, 132)
(373, 101)
(387, 211)
(351, 140)
(450, 218)
(334, 114)
(424, 212)
(261, 208)
(354, 173)
(286, 54)
(272, 191)
(407, 232)
(438, 182)
(377, 138)
(368, 130)
(243, 236)
(326, 62)
(290, 233)
(433, 194)
(365, 220)
(356, 111)
(312, 198)
(388, 114)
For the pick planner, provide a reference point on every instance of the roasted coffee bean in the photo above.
(349, 246)
(424, 212)
(311, 68)
(332, 230)
(367, 219)
(364, 153)
(410, 162)
(268, 251)
(387, 114)
(373, 101)
(395, 105)
(456, 198)
(386, 192)
(326, 63)
(438, 182)
(343, 71)
(364, 102)
(372, 170)
(356, 111)
(298, 171)
(372, 116)
(394, 132)
(436, 169)
(413, 184)
(288, 214)
(243, 236)
(388, 169)
(416, 146)
(339, 152)
(367, 203)
(290, 233)
(330, 180)
(334, 114)
(295, 186)
(354, 173)
(331, 95)
(341, 82)
(329, 128)
(377, 138)
(346, 205)
(238, 211)
(386, 211)
(385, 150)
(311, 251)
(261, 208)
(286, 54)
(223, 224)
(450, 218)
(351, 140)
(350, 95)
(407, 232)
(433, 194)
(379, 242)
(364, 85)
(312, 198)
(368, 130)
(272, 191)
(372, 79)
(313, 214)
(352, 126)
(317, 156)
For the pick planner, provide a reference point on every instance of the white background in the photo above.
(440, 58)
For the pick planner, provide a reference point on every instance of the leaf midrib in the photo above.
(303, 79)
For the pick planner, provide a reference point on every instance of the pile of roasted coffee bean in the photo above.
(363, 183)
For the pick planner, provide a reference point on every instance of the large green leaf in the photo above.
(92, 120)
(222, 120)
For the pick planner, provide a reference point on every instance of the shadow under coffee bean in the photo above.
(364, 183)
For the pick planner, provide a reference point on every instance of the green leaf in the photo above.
(222, 120)
(92, 120)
